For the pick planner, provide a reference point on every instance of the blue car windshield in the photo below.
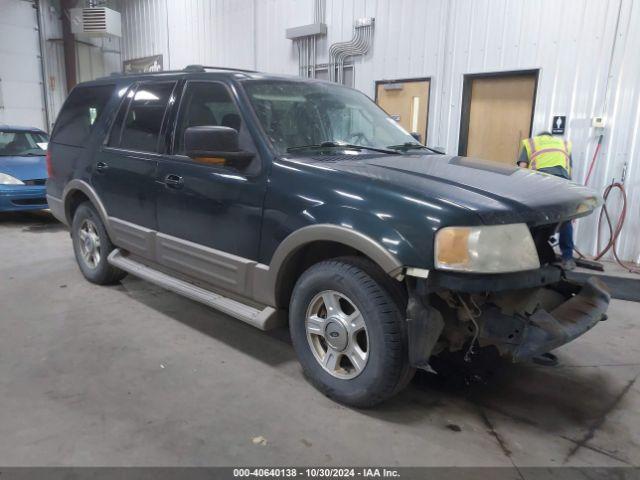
(300, 115)
(22, 143)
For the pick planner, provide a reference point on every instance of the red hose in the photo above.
(593, 160)
(614, 233)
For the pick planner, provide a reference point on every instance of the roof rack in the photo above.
(188, 68)
(124, 74)
(204, 68)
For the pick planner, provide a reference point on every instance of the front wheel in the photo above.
(348, 329)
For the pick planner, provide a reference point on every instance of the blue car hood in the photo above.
(24, 167)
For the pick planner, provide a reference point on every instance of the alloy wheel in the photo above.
(89, 243)
(337, 334)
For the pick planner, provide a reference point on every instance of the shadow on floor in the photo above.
(33, 221)
(272, 347)
(553, 399)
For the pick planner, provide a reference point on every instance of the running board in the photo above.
(264, 319)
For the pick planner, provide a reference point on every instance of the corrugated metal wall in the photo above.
(587, 53)
(21, 93)
(54, 73)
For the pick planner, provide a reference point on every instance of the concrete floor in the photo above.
(135, 375)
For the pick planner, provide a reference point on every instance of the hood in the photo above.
(24, 167)
(496, 192)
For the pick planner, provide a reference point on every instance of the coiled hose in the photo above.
(614, 232)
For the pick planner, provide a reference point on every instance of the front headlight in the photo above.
(9, 180)
(486, 249)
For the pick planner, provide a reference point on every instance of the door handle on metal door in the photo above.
(101, 167)
(173, 181)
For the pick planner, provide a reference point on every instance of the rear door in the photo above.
(209, 215)
(124, 168)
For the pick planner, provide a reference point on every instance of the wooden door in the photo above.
(407, 101)
(500, 109)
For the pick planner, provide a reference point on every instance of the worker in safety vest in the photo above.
(552, 155)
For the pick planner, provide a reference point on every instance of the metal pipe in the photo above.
(69, 45)
(43, 67)
(308, 46)
(358, 45)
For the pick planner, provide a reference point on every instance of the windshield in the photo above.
(17, 143)
(315, 115)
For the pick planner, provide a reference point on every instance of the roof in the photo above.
(18, 128)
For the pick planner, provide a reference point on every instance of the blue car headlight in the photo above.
(6, 179)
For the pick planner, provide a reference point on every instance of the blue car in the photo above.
(23, 170)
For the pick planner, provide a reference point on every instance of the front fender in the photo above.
(349, 226)
(376, 227)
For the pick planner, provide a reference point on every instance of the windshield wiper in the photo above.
(340, 145)
(413, 146)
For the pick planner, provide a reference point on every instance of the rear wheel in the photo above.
(92, 246)
(348, 330)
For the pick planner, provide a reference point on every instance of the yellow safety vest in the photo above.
(545, 151)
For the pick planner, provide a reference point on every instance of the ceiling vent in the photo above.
(95, 22)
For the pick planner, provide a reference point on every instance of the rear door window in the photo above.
(143, 121)
(80, 113)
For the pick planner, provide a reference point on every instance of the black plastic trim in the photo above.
(491, 282)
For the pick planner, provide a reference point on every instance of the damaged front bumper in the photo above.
(521, 323)
(523, 337)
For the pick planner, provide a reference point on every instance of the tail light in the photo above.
(49, 165)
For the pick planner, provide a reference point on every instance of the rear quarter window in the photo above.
(80, 113)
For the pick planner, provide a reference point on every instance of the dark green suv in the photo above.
(276, 199)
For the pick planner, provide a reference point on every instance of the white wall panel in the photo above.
(21, 90)
(586, 51)
(55, 77)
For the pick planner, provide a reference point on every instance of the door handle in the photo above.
(101, 167)
(173, 181)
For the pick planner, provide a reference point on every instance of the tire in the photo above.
(95, 268)
(353, 286)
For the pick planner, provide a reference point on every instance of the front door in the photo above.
(209, 215)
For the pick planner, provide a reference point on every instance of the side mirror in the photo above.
(417, 136)
(214, 145)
